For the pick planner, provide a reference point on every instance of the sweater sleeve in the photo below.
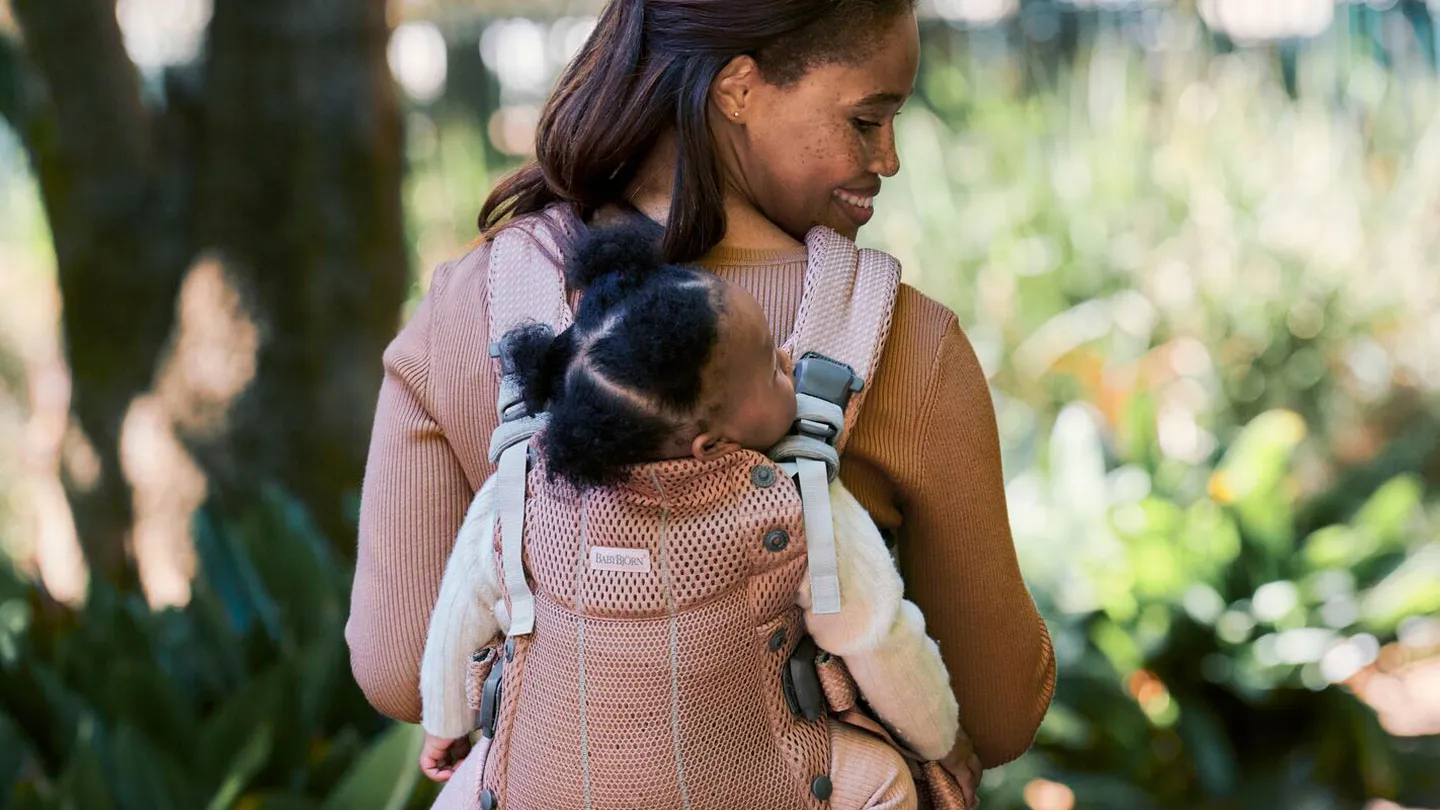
(463, 620)
(413, 499)
(960, 564)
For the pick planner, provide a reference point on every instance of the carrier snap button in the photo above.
(488, 800)
(762, 477)
(821, 787)
(777, 640)
(777, 540)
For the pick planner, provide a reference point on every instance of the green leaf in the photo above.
(1336, 547)
(243, 768)
(233, 728)
(1213, 754)
(1413, 589)
(82, 784)
(383, 777)
(143, 777)
(14, 753)
(1259, 457)
(1388, 513)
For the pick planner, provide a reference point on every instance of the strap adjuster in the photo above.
(827, 385)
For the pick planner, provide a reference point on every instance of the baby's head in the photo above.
(662, 362)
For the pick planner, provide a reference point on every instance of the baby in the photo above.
(691, 370)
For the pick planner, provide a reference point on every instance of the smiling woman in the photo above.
(712, 101)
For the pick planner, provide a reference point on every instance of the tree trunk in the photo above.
(281, 158)
(120, 256)
(300, 197)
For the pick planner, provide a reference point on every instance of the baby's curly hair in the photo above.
(629, 372)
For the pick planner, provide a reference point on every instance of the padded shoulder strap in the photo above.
(527, 275)
(527, 285)
(846, 309)
(844, 316)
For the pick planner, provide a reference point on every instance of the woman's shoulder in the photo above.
(927, 352)
(918, 329)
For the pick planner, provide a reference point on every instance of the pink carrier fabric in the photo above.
(660, 686)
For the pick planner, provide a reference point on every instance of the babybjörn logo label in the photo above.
(619, 559)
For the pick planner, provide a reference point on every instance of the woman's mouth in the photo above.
(859, 207)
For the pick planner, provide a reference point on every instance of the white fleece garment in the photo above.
(879, 634)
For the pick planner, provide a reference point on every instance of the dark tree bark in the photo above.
(281, 156)
(300, 193)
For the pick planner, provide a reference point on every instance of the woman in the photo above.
(737, 124)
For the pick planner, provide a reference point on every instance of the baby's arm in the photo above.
(881, 637)
(463, 621)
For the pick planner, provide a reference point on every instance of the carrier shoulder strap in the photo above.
(526, 285)
(840, 332)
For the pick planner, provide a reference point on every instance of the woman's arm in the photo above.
(959, 560)
(414, 498)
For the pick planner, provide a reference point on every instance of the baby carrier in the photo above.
(656, 657)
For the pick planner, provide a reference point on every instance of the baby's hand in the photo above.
(440, 757)
(964, 766)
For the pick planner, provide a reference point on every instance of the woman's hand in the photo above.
(962, 764)
(440, 757)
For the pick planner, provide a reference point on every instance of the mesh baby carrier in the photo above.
(656, 656)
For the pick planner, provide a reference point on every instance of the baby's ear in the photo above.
(708, 446)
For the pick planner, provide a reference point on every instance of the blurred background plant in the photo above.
(1196, 246)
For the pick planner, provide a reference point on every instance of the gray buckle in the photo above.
(490, 698)
(818, 376)
(830, 380)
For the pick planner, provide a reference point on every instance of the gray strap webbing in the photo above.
(793, 447)
(819, 537)
(814, 413)
(510, 502)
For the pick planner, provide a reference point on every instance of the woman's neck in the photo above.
(745, 227)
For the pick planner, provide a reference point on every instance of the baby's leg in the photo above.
(867, 774)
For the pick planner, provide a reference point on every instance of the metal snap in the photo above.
(762, 476)
(821, 787)
(777, 540)
(777, 640)
(488, 800)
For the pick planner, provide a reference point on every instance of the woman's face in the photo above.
(813, 152)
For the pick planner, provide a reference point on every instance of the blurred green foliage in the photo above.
(1208, 310)
(242, 699)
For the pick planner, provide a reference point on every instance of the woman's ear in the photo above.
(708, 446)
(732, 91)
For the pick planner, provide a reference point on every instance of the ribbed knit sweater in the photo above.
(924, 460)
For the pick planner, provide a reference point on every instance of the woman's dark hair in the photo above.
(646, 69)
(630, 370)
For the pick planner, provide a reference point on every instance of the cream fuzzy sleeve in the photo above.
(880, 636)
(463, 620)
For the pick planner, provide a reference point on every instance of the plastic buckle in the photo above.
(507, 364)
(830, 380)
(490, 699)
(800, 682)
(818, 376)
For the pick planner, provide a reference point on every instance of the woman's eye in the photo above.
(865, 123)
